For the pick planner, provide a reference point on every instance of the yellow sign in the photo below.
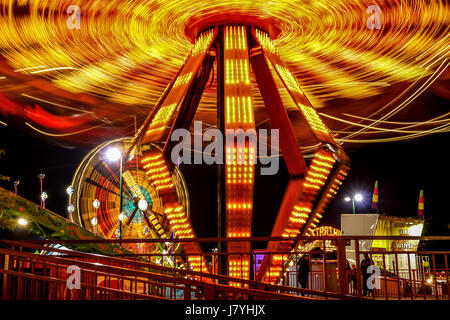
(325, 231)
(390, 227)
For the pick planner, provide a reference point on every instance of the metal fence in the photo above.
(25, 274)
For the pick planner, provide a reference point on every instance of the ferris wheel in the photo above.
(96, 199)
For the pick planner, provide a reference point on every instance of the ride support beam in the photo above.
(342, 266)
(190, 103)
(278, 116)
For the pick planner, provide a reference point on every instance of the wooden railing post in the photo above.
(187, 292)
(358, 269)
(342, 266)
(412, 280)
(5, 288)
(324, 265)
(209, 291)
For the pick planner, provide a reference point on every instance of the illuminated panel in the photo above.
(325, 174)
(316, 177)
(309, 229)
(157, 125)
(329, 193)
(240, 154)
(313, 119)
(161, 119)
(157, 170)
(309, 113)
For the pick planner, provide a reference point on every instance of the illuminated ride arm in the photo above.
(309, 191)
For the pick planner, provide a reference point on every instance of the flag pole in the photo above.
(421, 206)
(375, 197)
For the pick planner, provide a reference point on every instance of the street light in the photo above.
(70, 209)
(357, 197)
(16, 183)
(22, 222)
(114, 154)
(96, 205)
(41, 178)
(44, 197)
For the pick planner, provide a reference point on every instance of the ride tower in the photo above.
(235, 47)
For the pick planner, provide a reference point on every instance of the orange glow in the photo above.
(239, 165)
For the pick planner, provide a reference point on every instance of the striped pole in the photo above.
(375, 197)
(421, 204)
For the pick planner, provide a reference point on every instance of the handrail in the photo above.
(126, 266)
(197, 274)
(252, 239)
(105, 268)
(84, 285)
(136, 273)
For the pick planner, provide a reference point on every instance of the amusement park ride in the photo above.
(239, 50)
(238, 47)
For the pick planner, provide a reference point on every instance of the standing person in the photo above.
(354, 279)
(349, 275)
(365, 264)
(303, 271)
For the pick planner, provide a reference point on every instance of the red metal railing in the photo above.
(26, 275)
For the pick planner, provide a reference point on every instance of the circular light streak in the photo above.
(44, 196)
(127, 51)
(358, 197)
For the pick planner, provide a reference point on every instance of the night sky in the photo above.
(402, 169)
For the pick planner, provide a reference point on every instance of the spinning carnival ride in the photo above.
(237, 49)
(252, 64)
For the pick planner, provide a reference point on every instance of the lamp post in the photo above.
(41, 178)
(114, 154)
(16, 183)
(356, 198)
(44, 197)
(94, 220)
(70, 207)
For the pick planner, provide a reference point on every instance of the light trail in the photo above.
(127, 51)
